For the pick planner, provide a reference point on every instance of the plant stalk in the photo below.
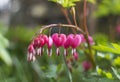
(90, 54)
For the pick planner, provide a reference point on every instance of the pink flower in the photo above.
(75, 55)
(90, 39)
(49, 45)
(31, 53)
(86, 65)
(40, 41)
(82, 38)
(75, 41)
(58, 40)
(118, 28)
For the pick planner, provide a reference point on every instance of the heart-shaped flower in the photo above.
(75, 40)
(49, 45)
(40, 41)
(90, 39)
(58, 40)
(31, 53)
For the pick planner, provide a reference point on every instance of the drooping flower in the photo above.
(31, 53)
(90, 39)
(42, 40)
(58, 40)
(73, 40)
(86, 65)
(76, 40)
(49, 46)
(67, 44)
(75, 55)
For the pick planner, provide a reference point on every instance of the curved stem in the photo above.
(59, 25)
(90, 55)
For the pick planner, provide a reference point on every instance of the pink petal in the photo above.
(49, 42)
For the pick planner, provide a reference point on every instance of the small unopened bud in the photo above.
(86, 65)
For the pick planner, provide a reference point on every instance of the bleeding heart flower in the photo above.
(49, 45)
(31, 53)
(42, 40)
(90, 39)
(76, 40)
(82, 38)
(86, 65)
(58, 40)
(75, 55)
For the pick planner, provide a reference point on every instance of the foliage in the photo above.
(108, 7)
(4, 43)
(70, 3)
(13, 51)
(66, 3)
(113, 48)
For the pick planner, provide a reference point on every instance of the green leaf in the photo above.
(109, 75)
(52, 71)
(3, 41)
(116, 46)
(104, 73)
(116, 73)
(116, 62)
(59, 67)
(92, 1)
(104, 48)
(5, 56)
(99, 71)
(65, 3)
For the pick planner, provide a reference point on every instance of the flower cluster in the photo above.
(59, 40)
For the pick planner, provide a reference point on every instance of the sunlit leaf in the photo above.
(3, 41)
(92, 1)
(65, 3)
(109, 75)
(99, 71)
(5, 56)
(116, 46)
(116, 62)
(104, 73)
(104, 48)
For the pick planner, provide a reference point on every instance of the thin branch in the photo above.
(84, 19)
(60, 25)
(90, 55)
(74, 15)
(65, 12)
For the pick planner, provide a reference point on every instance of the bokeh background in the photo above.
(21, 19)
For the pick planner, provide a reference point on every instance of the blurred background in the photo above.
(20, 20)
